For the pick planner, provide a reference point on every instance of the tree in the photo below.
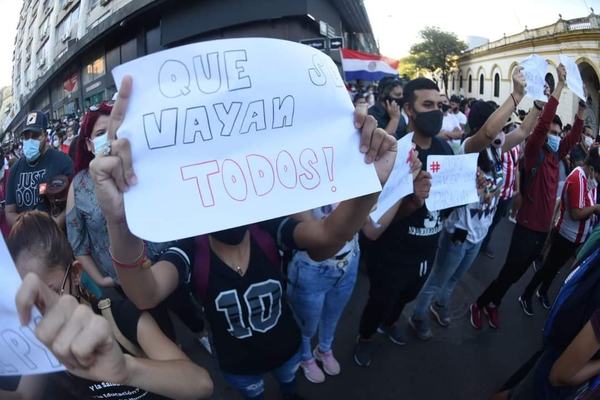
(407, 68)
(438, 50)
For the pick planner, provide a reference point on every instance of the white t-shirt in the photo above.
(462, 118)
(449, 123)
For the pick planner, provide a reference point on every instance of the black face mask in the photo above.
(445, 107)
(429, 123)
(232, 237)
(399, 101)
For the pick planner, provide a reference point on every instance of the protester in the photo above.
(388, 109)
(451, 130)
(455, 104)
(144, 363)
(69, 136)
(241, 262)
(40, 164)
(580, 152)
(407, 235)
(578, 210)
(543, 152)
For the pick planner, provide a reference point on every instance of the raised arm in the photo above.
(494, 124)
(518, 135)
(574, 135)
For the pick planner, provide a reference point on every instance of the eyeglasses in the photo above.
(61, 291)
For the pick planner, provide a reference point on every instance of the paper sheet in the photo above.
(574, 81)
(20, 351)
(534, 69)
(453, 181)
(231, 132)
(400, 182)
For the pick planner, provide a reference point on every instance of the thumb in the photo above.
(33, 292)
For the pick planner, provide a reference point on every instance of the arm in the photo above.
(393, 111)
(11, 213)
(518, 135)
(488, 132)
(167, 371)
(574, 135)
(373, 232)
(30, 387)
(574, 366)
(60, 219)
(579, 214)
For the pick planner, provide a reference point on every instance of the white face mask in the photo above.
(587, 141)
(100, 144)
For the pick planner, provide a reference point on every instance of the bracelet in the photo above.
(514, 101)
(140, 261)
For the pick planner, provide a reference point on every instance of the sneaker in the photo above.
(363, 350)
(440, 313)
(489, 253)
(205, 343)
(312, 372)
(493, 316)
(526, 305)
(421, 328)
(395, 333)
(331, 366)
(475, 316)
(543, 298)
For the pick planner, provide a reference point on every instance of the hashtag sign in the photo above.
(435, 167)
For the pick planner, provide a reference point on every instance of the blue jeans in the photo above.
(451, 262)
(253, 386)
(318, 293)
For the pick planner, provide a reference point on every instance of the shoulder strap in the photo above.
(528, 178)
(266, 244)
(201, 266)
(105, 308)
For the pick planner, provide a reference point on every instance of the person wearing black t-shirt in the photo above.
(388, 109)
(121, 355)
(236, 272)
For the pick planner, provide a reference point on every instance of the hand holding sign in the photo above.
(453, 181)
(534, 71)
(573, 78)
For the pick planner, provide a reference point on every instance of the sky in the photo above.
(396, 23)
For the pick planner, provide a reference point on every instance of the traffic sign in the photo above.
(336, 43)
(317, 43)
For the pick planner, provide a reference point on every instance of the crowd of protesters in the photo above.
(106, 294)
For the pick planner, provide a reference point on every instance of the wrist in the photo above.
(130, 371)
(517, 96)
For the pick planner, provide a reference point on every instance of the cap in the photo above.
(454, 99)
(35, 121)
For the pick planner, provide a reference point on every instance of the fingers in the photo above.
(366, 133)
(95, 335)
(61, 345)
(55, 319)
(360, 114)
(108, 169)
(122, 149)
(33, 292)
(376, 140)
(120, 107)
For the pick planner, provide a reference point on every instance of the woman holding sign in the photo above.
(121, 355)
(236, 272)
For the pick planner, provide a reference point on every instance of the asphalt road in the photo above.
(458, 363)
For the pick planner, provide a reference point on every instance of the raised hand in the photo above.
(393, 109)
(81, 340)
(519, 82)
(422, 185)
(561, 71)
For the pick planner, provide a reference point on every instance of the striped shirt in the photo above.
(575, 194)
(510, 165)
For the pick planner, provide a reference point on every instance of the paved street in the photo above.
(458, 363)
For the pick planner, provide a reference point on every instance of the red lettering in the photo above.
(201, 173)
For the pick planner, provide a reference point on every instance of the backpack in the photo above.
(201, 268)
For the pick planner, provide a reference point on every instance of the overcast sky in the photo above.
(396, 23)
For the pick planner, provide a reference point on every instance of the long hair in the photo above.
(83, 156)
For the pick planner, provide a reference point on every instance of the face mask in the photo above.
(55, 143)
(399, 101)
(499, 141)
(445, 107)
(429, 123)
(588, 141)
(100, 144)
(553, 143)
(232, 237)
(31, 149)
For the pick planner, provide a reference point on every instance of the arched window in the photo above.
(470, 84)
(497, 85)
(481, 84)
(453, 77)
(550, 81)
(460, 82)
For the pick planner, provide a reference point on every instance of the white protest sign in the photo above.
(20, 351)
(231, 132)
(400, 182)
(534, 69)
(574, 81)
(453, 181)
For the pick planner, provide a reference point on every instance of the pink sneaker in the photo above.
(312, 372)
(330, 364)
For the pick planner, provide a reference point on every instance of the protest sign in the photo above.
(534, 69)
(231, 132)
(574, 81)
(453, 181)
(400, 182)
(20, 351)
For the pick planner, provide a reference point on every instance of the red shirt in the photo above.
(576, 194)
(539, 197)
(510, 163)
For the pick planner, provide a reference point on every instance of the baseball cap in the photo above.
(36, 121)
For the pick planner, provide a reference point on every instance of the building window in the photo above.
(93, 70)
(497, 85)
(44, 29)
(64, 29)
(460, 82)
(129, 51)
(550, 81)
(481, 84)
(94, 4)
(153, 40)
(470, 83)
(452, 82)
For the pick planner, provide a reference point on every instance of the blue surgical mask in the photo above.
(553, 143)
(31, 149)
(100, 145)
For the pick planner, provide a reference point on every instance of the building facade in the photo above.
(65, 49)
(485, 72)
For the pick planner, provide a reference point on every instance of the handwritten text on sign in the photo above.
(453, 181)
(231, 132)
(574, 81)
(534, 69)
(20, 351)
